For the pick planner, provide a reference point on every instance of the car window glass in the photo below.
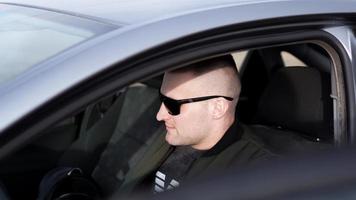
(29, 36)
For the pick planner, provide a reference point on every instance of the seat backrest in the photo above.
(114, 143)
(96, 129)
(137, 128)
(296, 102)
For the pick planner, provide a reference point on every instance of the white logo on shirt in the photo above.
(160, 184)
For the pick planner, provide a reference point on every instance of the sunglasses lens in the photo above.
(172, 105)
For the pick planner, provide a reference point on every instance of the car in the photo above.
(80, 79)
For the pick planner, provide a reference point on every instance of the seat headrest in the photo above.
(298, 99)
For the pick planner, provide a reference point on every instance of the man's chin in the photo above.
(170, 139)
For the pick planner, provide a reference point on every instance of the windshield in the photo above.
(29, 36)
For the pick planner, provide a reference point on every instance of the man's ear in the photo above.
(218, 107)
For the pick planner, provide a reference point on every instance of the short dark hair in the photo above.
(208, 65)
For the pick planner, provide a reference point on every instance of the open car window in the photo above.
(287, 106)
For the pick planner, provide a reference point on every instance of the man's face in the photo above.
(192, 125)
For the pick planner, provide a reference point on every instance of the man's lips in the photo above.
(169, 126)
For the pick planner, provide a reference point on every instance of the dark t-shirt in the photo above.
(178, 163)
(175, 167)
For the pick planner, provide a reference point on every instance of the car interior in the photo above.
(286, 104)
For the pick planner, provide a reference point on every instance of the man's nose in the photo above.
(162, 114)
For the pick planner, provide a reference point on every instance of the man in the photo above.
(198, 109)
(202, 134)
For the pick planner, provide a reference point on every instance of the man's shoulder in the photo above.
(249, 148)
(245, 150)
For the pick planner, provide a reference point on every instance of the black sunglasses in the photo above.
(173, 106)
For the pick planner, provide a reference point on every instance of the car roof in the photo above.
(132, 12)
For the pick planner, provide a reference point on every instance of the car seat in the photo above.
(115, 142)
(295, 111)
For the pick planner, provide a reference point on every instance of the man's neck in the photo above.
(216, 133)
